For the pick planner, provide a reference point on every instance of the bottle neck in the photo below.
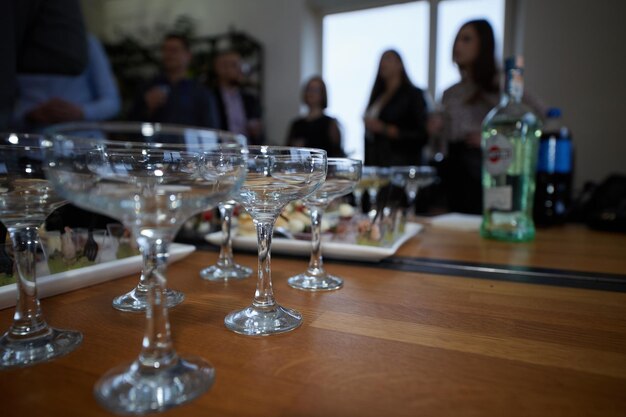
(514, 85)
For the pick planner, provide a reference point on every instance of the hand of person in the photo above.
(374, 125)
(155, 98)
(39, 115)
(55, 110)
(63, 111)
(434, 124)
(473, 139)
(254, 128)
(298, 142)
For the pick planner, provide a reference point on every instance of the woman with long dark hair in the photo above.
(465, 106)
(395, 119)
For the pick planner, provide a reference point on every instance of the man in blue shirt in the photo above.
(172, 97)
(44, 100)
(38, 37)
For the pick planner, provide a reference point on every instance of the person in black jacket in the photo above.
(240, 110)
(316, 129)
(395, 119)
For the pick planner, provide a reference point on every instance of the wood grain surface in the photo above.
(390, 343)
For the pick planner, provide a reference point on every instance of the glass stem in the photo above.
(28, 319)
(358, 200)
(157, 350)
(373, 196)
(264, 295)
(412, 198)
(142, 287)
(226, 250)
(316, 265)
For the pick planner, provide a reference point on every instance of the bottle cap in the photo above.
(553, 113)
(514, 62)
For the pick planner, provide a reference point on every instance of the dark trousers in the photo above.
(463, 179)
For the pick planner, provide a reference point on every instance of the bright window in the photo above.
(354, 41)
(353, 44)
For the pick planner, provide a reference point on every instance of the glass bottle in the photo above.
(510, 140)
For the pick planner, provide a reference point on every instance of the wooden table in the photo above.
(393, 342)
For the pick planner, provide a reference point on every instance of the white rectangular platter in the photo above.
(331, 249)
(54, 284)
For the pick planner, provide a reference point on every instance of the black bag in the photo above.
(603, 207)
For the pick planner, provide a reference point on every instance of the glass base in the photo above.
(219, 273)
(263, 321)
(136, 300)
(26, 352)
(139, 390)
(308, 282)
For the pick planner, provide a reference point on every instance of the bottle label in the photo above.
(499, 155)
(517, 84)
(555, 155)
(563, 160)
(499, 198)
(547, 155)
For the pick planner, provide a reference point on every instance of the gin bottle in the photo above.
(510, 140)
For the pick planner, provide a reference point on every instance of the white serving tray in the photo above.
(331, 250)
(74, 279)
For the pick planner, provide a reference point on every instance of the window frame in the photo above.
(511, 42)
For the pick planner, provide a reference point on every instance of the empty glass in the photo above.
(276, 176)
(372, 179)
(226, 269)
(152, 187)
(26, 199)
(342, 176)
(412, 178)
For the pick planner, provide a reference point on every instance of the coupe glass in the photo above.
(151, 178)
(342, 176)
(412, 178)
(276, 176)
(372, 180)
(26, 199)
(226, 269)
(136, 300)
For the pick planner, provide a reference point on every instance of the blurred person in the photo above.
(240, 110)
(316, 129)
(395, 119)
(465, 106)
(44, 100)
(38, 37)
(172, 97)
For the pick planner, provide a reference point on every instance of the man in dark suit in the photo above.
(172, 96)
(240, 111)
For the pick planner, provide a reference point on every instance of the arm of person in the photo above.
(335, 139)
(294, 138)
(38, 115)
(150, 98)
(106, 102)
(413, 131)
